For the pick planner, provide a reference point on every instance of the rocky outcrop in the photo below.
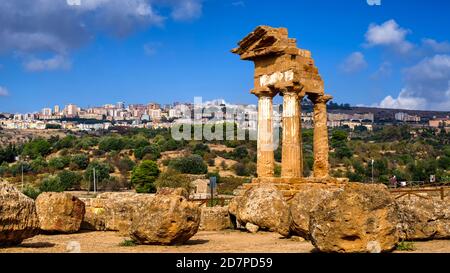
(264, 206)
(18, 218)
(59, 212)
(310, 195)
(424, 219)
(215, 219)
(360, 218)
(166, 220)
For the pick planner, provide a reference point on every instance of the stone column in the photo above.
(320, 146)
(266, 159)
(292, 155)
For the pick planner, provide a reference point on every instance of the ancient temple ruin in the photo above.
(283, 68)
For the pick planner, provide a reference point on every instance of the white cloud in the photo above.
(385, 70)
(3, 92)
(59, 26)
(186, 10)
(55, 63)
(427, 86)
(438, 47)
(353, 63)
(388, 34)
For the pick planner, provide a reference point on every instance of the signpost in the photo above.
(212, 185)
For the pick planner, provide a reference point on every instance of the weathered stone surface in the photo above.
(18, 216)
(59, 212)
(264, 206)
(305, 202)
(166, 220)
(173, 191)
(251, 228)
(321, 167)
(360, 218)
(95, 215)
(292, 156)
(114, 211)
(215, 219)
(424, 219)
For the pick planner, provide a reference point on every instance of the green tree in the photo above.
(69, 179)
(200, 149)
(58, 163)
(39, 164)
(51, 184)
(193, 164)
(173, 179)
(37, 147)
(66, 143)
(240, 152)
(144, 176)
(108, 144)
(81, 161)
(102, 171)
(151, 152)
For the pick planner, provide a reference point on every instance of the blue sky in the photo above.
(396, 55)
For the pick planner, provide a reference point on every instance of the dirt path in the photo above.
(204, 242)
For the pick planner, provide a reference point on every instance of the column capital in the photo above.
(264, 92)
(316, 99)
(298, 90)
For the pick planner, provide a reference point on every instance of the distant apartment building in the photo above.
(439, 122)
(71, 110)
(153, 106)
(401, 116)
(120, 105)
(154, 114)
(47, 111)
(56, 109)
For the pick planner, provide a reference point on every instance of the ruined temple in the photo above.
(281, 68)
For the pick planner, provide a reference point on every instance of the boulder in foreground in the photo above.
(18, 216)
(360, 218)
(264, 206)
(59, 212)
(166, 220)
(424, 219)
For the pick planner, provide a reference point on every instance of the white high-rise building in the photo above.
(56, 109)
(47, 111)
(71, 110)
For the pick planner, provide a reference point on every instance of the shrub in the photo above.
(406, 246)
(144, 176)
(127, 243)
(192, 165)
(240, 152)
(173, 179)
(240, 169)
(51, 184)
(102, 171)
(108, 144)
(70, 179)
(58, 163)
(125, 165)
(37, 147)
(31, 192)
(152, 151)
(81, 161)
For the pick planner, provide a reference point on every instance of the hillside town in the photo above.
(155, 115)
